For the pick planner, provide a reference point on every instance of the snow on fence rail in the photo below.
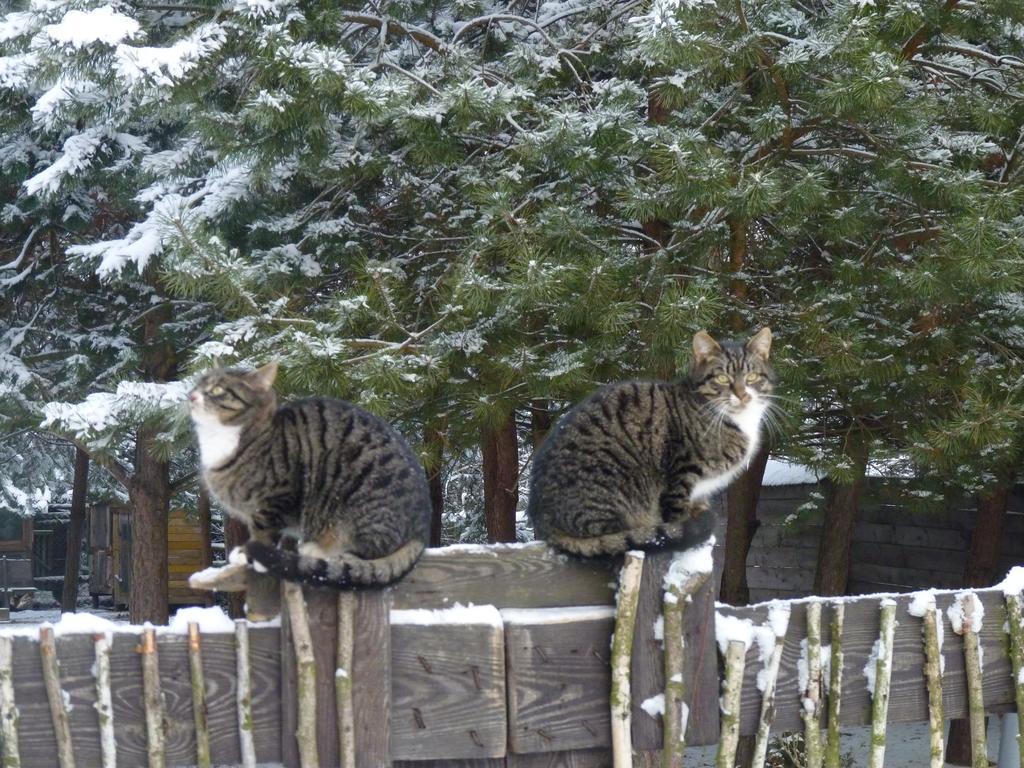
(523, 674)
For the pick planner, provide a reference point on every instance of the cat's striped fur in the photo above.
(335, 477)
(632, 466)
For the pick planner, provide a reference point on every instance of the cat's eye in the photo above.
(752, 377)
(217, 391)
(722, 378)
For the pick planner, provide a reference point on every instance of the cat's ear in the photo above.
(264, 377)
(760, 343)
(704, 347)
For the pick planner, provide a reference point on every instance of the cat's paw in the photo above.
(259, 555)
(312, 549)
(238, 556)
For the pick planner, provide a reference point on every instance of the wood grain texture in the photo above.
(579, 758)
(448, 690)
(289, 696)
(558, 685)
(126, 687)
(322, 609)
(371, 676)
(648, 665)
(908, 694)
(265, 668)
(506, 577)
(481, 763)
(179, 725)
(700, 668)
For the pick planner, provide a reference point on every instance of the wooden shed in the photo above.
(110, 547)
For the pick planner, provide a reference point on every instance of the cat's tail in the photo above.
(344, 571)
(679, 534)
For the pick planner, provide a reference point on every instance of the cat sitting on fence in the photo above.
(337, 478)
(632, 466)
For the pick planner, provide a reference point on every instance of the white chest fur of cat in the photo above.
(217, 442)
(749, 422)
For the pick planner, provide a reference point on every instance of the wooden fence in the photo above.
(519, 680)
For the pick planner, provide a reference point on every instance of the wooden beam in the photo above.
(505, 576)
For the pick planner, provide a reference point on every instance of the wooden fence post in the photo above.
(55, 695)
(965, 615)
(835, 686)
(8, 709)
(883, 675)
(1015, 619)
(622, 658)
(812, 693)
(369, 672)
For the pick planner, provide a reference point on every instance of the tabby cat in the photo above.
(335, 477)
(632, 466)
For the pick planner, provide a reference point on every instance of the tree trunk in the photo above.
(980, 572)
(435, 442)
(832, 574)
(436, 506)
(501, 480)
(150, 495)
(150, 488)
(73, 562)
(540, 422)
(236, 533)
(741, 525)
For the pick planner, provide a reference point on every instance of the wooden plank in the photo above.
(902, 555)
(448, 690)
(912, 536)
(265, 668)
(481, 763)
(895, 579)
(126, 689)
(700, 667)
(322, 609)
(908, 695)
(788, 579)
(176, 689)
(647, 671)
(580, 758)
(558, 681)
(506, 576)
(289, 696)
(77, 656)
(371, 675)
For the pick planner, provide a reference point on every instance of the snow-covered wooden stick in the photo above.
(8, 710)
(883, 674)
(195, 664)
(966, 615)
(778, 620)
(243, 694)
(732, 688)
(104, 701)
(811, 711)
(343, 680)
(835, 686)
(686, 574)
(1015, 619)
(622, 652)
(55, 697)
(305, 673)
(152, 699)
(923, 606)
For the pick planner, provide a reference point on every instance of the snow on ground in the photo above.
(29, 618)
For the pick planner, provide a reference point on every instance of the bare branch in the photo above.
(420, 35)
